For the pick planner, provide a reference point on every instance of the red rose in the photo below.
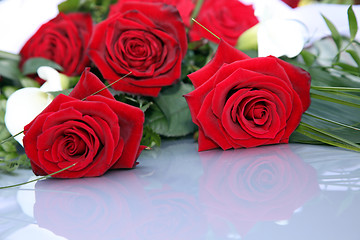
(185, 7)
(226, 19)
(292, 3)
(147, 39)
(98, 133)
(243, 187)
(245, 102)
(63, 40)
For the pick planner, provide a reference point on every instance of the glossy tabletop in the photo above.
(288, 191)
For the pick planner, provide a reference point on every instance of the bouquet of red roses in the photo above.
(168, 76)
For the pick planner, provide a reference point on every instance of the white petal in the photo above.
(268, 9)
(22, 107)
(280, 37)
(52, 77)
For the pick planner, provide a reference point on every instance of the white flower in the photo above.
(278, 34)
(283, 31)
(281, 37)
(26, 103)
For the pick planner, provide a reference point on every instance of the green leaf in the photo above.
(29, 82)
(145, 106)
(150, 138)
(64, 92)
(170, 115)
(8, 147)
(326, 137)
(334, 32)
(8, 90)
(323, 77)
(337, 119)
(331, 121)
(69, 6)
(352, 23)
(339, 89)
(348, 68)
(10, 69)
(9, 56)
(32, 64)
(308, 57)
(332, 98)
(354, 56)
(323, 140)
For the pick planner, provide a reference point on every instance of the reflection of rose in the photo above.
(117, 206)
(253, 185)
(95, 208)
(96, 133)
(172, 215)
(185, 7)
(63, 40)
(147, 39)
(171, 170)
(226, 19)
(246, 102)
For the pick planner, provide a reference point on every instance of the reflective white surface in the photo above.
(275, 192)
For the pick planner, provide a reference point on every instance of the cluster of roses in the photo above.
(237, 101)
(146, 38)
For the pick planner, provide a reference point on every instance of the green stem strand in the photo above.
(205, 28)
(9, 138)
(196, 11)
(108, 86)
(335, 89)
(331, 121)
(40, 178)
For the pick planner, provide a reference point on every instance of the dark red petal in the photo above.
(205, 143)
(301, 81)
(210, 124)
(130, 120)
(224, 54)
(89, 84)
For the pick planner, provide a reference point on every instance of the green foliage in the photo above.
(334, 32)
(69, 6)
(347, 2)
(308, 57)
(11, 162)
(10, 159)
(170, 116)
(150, 138)
(334, 114)
(9, 69)
(64, 92)
(353, 26)
(32, 65)
(197, 56)
(97, 8)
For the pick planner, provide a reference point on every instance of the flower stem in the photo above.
(205, 28)
(11, 137)
(108, 86)
(40, 178)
